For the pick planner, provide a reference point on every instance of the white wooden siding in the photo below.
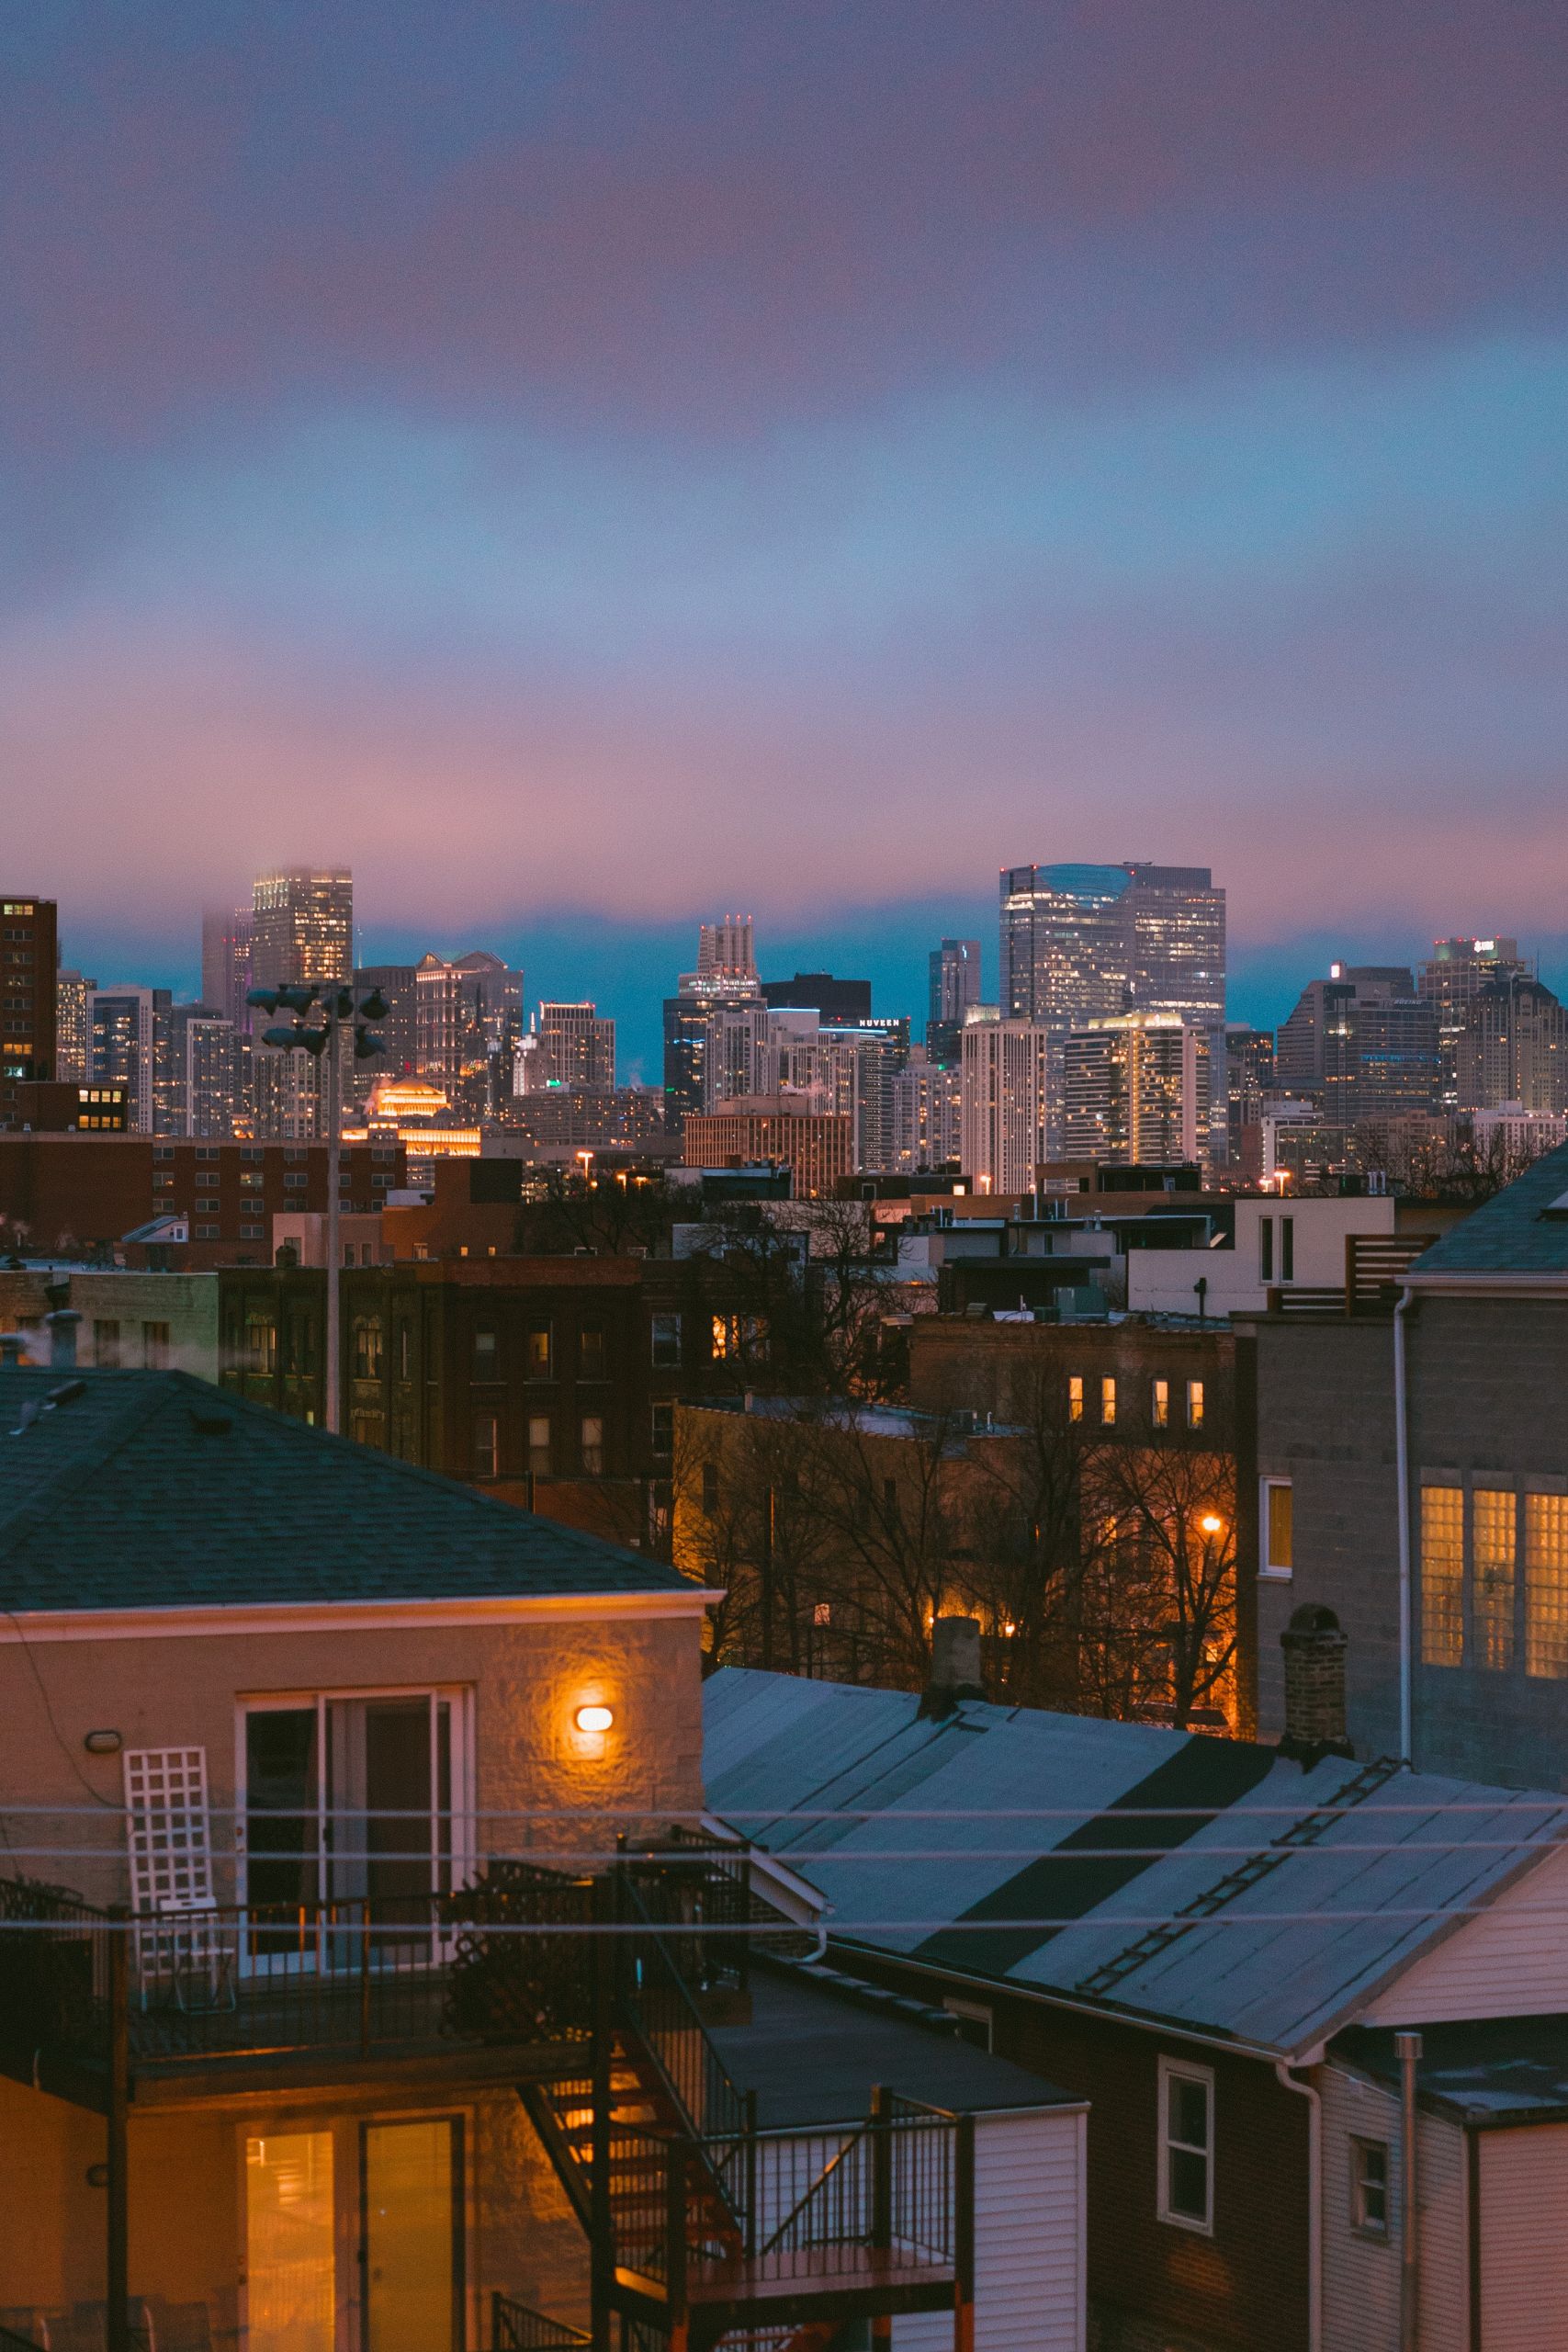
(1510, 1961)
(1029, 2241)
(1360, 2279)
(1524, 2239)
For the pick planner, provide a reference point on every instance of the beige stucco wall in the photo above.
(527, 1677)
(186, 2199)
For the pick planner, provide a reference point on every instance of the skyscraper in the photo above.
(1449, 982)
(1512, 1048)
(301, 928)
(122, 1046)
(1087, 943)
(954, 968)
(226, 965)
(467, 1020)
(1003, 1107)
(72, 991)
(725, 975)
(1135, 1090)
(1362, 1043)
(571, 1046)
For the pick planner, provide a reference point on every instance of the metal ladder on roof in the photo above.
(1261, 1865)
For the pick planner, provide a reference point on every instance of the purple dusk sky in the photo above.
(596, 465)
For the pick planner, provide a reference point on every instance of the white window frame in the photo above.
(458, 1696)
(1371, 2232)
(1267, 1565)
(1180, 2070)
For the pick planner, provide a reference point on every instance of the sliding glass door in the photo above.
(290, 2243)
(411, 2209)
(352, 1816)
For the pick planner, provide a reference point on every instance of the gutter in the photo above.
(1401, 1478)
(1292, 2082)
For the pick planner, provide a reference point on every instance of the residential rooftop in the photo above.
(153, 1491)
(1521, 1230)
(1056, 1853)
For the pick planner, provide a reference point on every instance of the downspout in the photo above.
(1408, 2045)
(1401, 1477)
(1314, 2198)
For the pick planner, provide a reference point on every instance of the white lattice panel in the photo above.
(167, 1824)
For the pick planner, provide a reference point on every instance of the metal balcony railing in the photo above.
(515, 2328)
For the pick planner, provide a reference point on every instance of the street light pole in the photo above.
(321, 1018)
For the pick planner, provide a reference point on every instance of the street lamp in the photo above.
(320, 1015)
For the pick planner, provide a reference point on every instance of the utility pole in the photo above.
(322, 1018)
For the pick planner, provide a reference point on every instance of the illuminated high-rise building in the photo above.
(72, 991)
(955, 968)
(1449, 982)
(122, 1046)
(570, 1047)
(301, 928)
(467, 1020)
(1135, 1091)
(726, 976)
(226, 965)
(1002, 1115)
(1513, 1050)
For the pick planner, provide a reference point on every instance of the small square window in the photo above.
(208, 1233)
(592, 1441)
(1159, 1404)
(486, 1441)
(1194, 1404)
(1369, 2188)
(1187, 2146)
(1075, 1396)
(541, 1351)
(590, 1351)
(1108, 1401)
(1278, 1517)
(539, 1445)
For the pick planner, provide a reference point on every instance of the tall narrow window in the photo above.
(1369, 2188)
(486, 1447)
(1546, 1585)
(666, 1341)
(485, 1357)
(539, 1445)
(661, 1431)
(541, 1351)
(1194, 1404)
(590, 1351)
(1265, 1249)
(1108, 1400)
(1287, 1249)
(1493, 1526)
(1159, 1404)
(1442, 1575)
(593, 1440)
(1279, 1527)
(710, 1489)
(156, 1346)
(1075, 1396)
(1187, 2145)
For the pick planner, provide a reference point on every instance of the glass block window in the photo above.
(1492, 1540)
(1442, 1575)
(1546, 1585)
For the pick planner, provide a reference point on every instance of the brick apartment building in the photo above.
(816, 1145)
(550, 1382)
(77, 1195)
(1465, 1386)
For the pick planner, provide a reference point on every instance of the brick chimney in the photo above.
(956, 1665)
(1314, 1646)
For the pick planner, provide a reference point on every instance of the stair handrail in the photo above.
(726, 2107)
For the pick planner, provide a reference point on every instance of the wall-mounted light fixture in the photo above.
(594, 1718)
(103, 1743)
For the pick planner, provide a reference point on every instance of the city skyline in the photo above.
(556, 464)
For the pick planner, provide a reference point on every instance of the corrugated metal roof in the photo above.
(1279, 1964)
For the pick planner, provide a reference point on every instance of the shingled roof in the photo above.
(152, 1489)
(1523, 1230)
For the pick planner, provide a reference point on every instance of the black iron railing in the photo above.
(515, 2328)
(241, 1980)
(810, 2204)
